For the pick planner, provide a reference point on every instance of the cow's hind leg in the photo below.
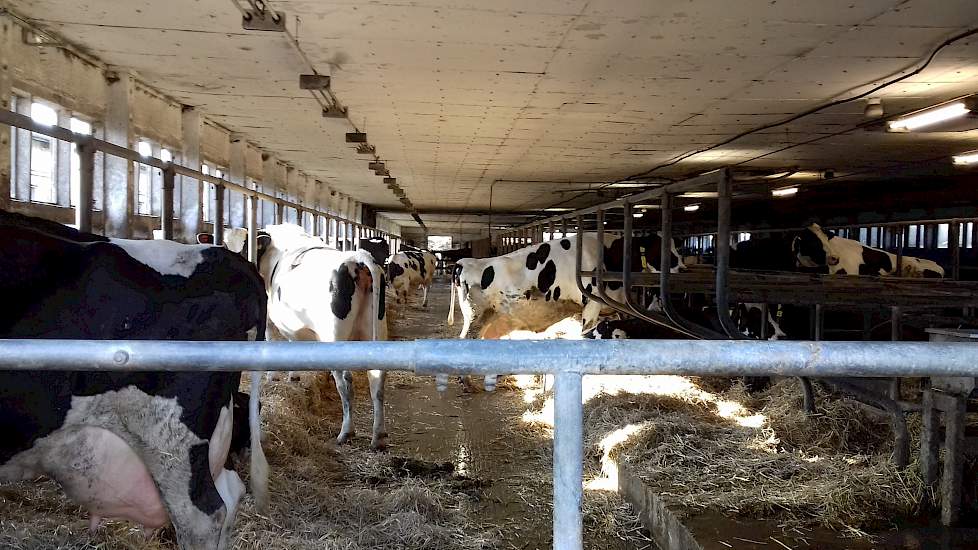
(424, 301)
(376, 378)
(344, 386)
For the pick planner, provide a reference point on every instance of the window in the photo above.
(209, 202)
(43, 156)
(208, 189)
(78, 126)
(942, 235)
(439, 242)
(144, 181)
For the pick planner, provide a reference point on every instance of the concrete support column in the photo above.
(236, 173)
(190, 192)
(117, 203)
(6, 32)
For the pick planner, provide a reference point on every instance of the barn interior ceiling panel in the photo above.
(521, 106)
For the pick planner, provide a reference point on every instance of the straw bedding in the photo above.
(758, 457)
(321, 496)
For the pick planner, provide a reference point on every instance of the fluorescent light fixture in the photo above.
(691, 207)
(805, 175)
(700, 195)
(784, 191)
(965, 159)
(557, 209)
(929, 116)
(638, 214)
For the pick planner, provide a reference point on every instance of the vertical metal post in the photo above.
(568, 461)
(764, 314)
(904, 234)
(166, 212)
(819, 319)
(218, 214)
(722, 250)
(251, 220)
(564, 234)
(954, 243)
(83, 212)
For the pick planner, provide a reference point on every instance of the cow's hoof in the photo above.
(94, 524)
(379, 442)
(344, 438)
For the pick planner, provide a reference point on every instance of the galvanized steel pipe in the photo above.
(479, 357)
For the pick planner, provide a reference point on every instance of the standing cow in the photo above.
(494, 283)
(410, 269)
(319, 294)
(514, 282)
(142, 446)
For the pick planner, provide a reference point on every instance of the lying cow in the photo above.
(319, 294)
(142, 446)
(409, 269)
(631, 329)
(816, 248)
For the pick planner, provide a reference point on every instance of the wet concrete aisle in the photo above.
(484, 437)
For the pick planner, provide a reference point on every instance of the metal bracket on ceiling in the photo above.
(39, 40)
(335, 111)
(314, 81)
(263, 20)
(366, 149)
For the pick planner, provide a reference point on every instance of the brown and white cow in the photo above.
(319, 294)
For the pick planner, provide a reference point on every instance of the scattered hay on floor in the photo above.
(757, 457)
(321, 496)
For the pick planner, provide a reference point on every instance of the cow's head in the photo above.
(810, 249)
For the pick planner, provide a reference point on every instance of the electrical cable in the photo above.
(920, 68)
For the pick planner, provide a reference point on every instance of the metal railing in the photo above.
(567, 360)
(88, 145)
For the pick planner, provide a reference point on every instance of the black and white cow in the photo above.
(631, 329)
(493, 283)
(146, 447)
(816, 248)
(319, 294)
(379, 248)
(410, 269)
(510, 282)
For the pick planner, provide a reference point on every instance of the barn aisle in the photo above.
(485, 439)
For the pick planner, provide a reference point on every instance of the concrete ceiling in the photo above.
(549, 97)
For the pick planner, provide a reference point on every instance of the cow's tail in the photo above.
(451, 303)
(259, 465)
(376, 273)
